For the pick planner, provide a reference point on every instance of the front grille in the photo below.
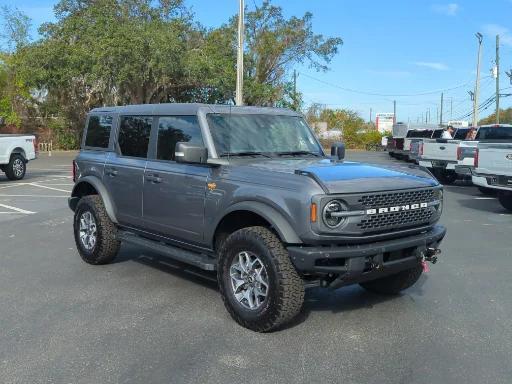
(395, 219)
(396, 198)
(405, 218)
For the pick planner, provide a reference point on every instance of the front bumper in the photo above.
(358, 263)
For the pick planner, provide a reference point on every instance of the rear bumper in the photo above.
(357, 263)
(503, 183)
(465, 170)
(442, 164)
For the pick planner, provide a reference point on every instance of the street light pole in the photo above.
(479, 36)
(239, 99)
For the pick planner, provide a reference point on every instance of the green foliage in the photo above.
(505, 117)
(115, 52)
(62, 136)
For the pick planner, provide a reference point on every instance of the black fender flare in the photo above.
(282, 226)
(97, 184)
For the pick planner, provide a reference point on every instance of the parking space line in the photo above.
(17, 209)
(66, 196)
(484, 198)
(53, 189)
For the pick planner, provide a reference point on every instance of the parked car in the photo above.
(493, 166)
(416, 145)
(249, 192)
(15, 152)
(440, 155)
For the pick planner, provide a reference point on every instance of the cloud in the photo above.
(449, 9)
(494, 29)
(432, 65)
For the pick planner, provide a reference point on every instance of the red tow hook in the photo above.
(429, 255)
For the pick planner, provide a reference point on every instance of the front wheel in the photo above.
(505, 198)
(16, 168)
(258, 283)
(393, 284)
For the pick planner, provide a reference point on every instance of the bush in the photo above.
(62, 136)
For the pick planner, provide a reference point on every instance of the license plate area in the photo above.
(439, 164)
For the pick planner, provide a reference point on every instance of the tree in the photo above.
(505, 117)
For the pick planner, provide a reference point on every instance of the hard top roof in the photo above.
(190, 109)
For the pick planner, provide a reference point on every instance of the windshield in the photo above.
(494, 133)
(270, 134)
(420, 133)
(461, 134)
(437, 133)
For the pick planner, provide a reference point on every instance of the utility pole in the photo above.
(479, 36)
(370, 115)
(428, 116)
(497, 79)
(451, 108)
(239, 98)
(394, 111)
(441, 116)
(295, 103)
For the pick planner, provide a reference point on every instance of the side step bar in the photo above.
(196, 259)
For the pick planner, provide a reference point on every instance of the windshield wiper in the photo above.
(244, 153)
(298, 153)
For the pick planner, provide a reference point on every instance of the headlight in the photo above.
(332, 213)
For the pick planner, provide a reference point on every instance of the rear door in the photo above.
(124, 170)
(174, 193)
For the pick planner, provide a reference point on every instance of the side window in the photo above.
(98, 131)
(134, 134)
(172, 129)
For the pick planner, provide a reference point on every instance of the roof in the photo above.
(190, 109)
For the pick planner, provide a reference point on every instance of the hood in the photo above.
(352, 177)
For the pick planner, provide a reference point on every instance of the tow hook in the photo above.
(429, 255)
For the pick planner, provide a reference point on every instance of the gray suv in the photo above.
(249, 192)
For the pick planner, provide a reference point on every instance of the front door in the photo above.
(124, 170)
(174, 193)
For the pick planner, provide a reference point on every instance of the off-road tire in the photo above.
(505, 199)
(107, 245)
(487, 191)
(393, 284)
(9, 169)
(286, 288)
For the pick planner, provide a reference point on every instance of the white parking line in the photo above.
(53, 189)
(66, 196)
(484, 198)
(17, 209)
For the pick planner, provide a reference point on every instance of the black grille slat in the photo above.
(401, 218)
(396, 198)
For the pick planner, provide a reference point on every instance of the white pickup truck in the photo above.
(15, 152)
(493, 169)
(440, 156)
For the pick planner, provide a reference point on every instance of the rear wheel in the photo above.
(396, 283)
(505, 198)
(258, 283)
(16, 168)
(95, 234)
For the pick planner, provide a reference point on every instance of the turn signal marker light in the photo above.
(313, 213)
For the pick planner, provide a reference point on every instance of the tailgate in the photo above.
(495, 159)
(440, 149)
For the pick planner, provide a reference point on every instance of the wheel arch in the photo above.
(19, 151)
(247, 214)
(91, 185)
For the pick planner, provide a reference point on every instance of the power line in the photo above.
(386, 94)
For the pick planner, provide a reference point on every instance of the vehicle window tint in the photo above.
(98, 131)
(461, 133)
(173, 129)
(494, 133)
(437, 133)
(134, 135)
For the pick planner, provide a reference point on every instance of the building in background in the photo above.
(384, 122)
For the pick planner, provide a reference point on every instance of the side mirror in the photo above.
(188, 153)
(338, 151)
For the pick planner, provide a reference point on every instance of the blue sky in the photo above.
(391, 48)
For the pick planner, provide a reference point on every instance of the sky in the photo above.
(404, 50)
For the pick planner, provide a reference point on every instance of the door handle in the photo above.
(112, 172)
(154, 178)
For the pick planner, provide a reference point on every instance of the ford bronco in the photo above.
(248, 192)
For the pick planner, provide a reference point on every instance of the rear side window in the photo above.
(98, 131)
(461, 133)
(173, 129)
(494, 133)
(134, 134)
(437, 133)
(420, 133)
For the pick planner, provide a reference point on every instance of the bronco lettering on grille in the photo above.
(398, 208)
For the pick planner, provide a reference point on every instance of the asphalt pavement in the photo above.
(149, 319)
